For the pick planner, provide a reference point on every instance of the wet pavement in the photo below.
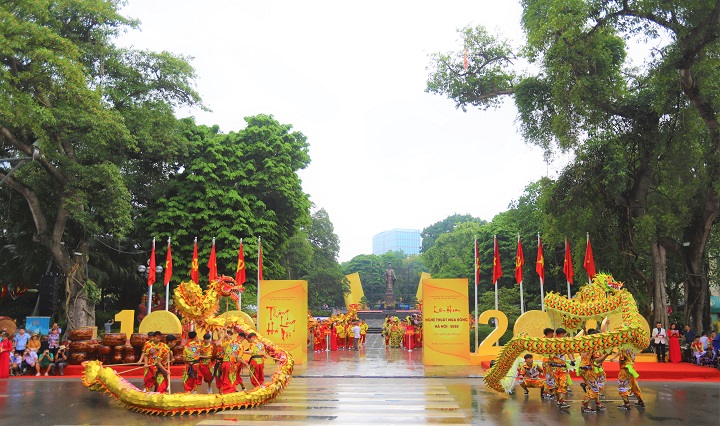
(371, 386)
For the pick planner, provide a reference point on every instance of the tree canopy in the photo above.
(645, 137)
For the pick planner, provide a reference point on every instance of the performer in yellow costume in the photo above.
(558, 362)
(363, 332)
(257, 361)
(530, 372)
(191, 355)
(627, 379)
(591, 372)
(149, 360)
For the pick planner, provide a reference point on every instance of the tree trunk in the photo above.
(659, 255)
(79, 308)
(697, 289)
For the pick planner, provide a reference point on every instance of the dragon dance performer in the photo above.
(218, 354)
(549, 333)
(386, 330)
(363, 332)
(319, 333)
(396, 333)
(148, 358)
(627, 379)
(207, 349)
(163, 361)
(349, 335)
(257, 360)
(530, 372)
(232, 356)
(191, 354)
(341, 332)
(590, 369)
(561, 371)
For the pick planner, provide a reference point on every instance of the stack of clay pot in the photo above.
(112, 348)
(81, 345)
(136, 342)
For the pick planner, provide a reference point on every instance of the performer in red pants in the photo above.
(257, 360)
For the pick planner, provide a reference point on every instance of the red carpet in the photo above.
(658, 371)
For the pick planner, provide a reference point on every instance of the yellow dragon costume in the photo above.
(199, 307)
(603, 297)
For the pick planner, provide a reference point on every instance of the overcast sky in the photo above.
(351, 77)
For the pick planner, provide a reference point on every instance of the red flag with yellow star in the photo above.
(540, 263)
(567, 265)
(240, 272)
(589, 262)
(194, 270)
(497, 268)
(152, 266)
(519, 262)
(212, 264)
(168, 265)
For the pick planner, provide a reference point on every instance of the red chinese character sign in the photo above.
(283, 315)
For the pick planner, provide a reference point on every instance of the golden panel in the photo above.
(163, 321)
(532, 323)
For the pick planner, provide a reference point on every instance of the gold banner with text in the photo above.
(283, 315)
(446, 325)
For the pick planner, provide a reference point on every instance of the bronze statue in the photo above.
(390, 279)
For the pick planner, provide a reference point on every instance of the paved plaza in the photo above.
(374, 386)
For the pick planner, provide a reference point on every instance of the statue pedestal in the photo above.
(390, 299)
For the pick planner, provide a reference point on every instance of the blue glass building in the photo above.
(405, 240)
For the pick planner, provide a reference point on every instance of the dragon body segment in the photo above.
(596, 301)
(200, 307)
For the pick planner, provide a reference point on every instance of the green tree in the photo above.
(89, 107)
(430, 233)
(327, 283)
(240, 185)
(652, 125)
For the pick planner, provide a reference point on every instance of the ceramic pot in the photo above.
(114, 339)
(80, 334)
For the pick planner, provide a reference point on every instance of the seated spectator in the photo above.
(15, 364)
(45, 361)
(54, 341)
(697, 350)
(704, 339)
(709, 358)
(61, 361)
(715, 338)
(34, 343)
(30, 362)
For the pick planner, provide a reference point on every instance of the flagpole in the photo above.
(542, 283)
(476, 296)
(522, 303)
(149, 307)
(167, 286)
(257, 324)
